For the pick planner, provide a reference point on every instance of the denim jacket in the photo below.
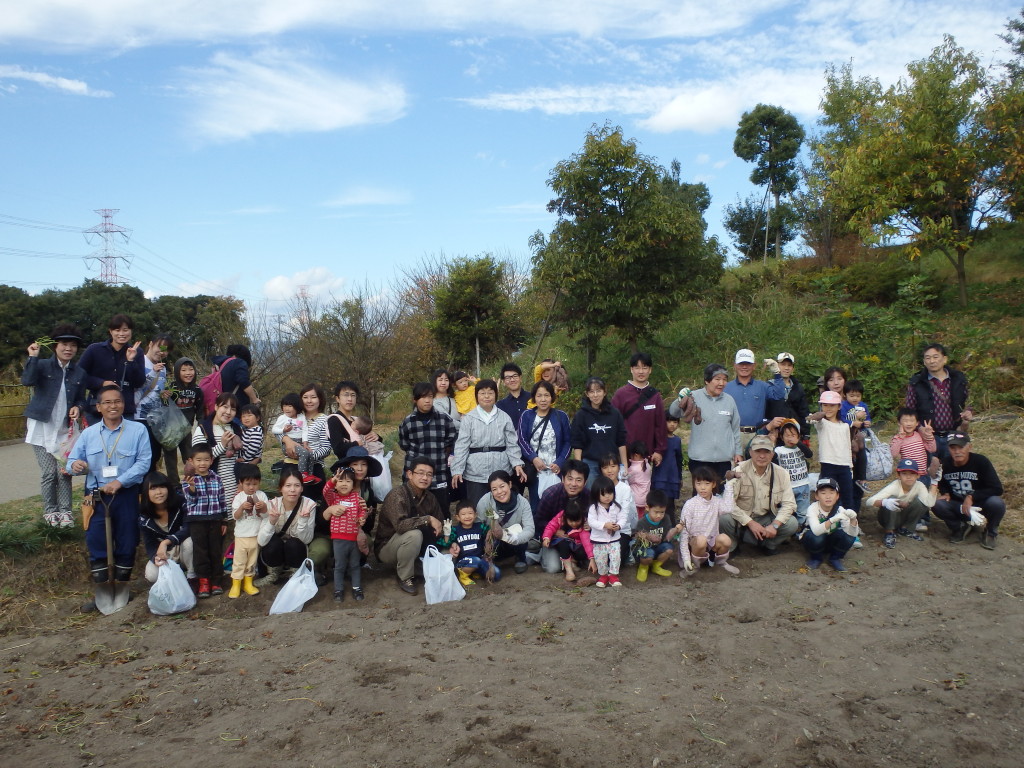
(45, 375)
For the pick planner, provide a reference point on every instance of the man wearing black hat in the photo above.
(57, 401)
(969, 482)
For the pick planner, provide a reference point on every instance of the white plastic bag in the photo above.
(545, 479)
(381, 484)
(65, 442)
(878, 464)
(442, 585)
(171, 593)
(301, 588)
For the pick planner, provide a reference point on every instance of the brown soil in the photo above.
(912, 658)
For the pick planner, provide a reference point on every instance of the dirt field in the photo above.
(912, 658)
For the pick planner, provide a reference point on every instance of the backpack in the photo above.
(212, 385)
(878, 457)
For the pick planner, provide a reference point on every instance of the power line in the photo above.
(17, 221)
(37, 254)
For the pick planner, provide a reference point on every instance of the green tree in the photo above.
(475, 318)
(751, 224)
(770, 137)
(929, 165)
(1014, 37)
(629, 241)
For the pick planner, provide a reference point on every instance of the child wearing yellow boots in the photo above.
(467, 544)
(653, 537)
(248, 509)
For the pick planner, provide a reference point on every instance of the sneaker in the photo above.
(407, 586)
(357, 593)
(960, 536)
(890, 540)
(520, 567)
(89, 607)
(67, 520)
(52, 519)
(837, 563)
(602, 582)
(988, 540)
(921, 527)
(862, 484)
(909, 534)
(857, 544)
(309, 478)
(814, 563)
(614, 581)
(216, 588)
(338, 595)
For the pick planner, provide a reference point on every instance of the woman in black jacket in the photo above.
(597, 429)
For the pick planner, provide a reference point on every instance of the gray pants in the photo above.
(901, 518)
(54, 484)
(401, 552)
(732, 528)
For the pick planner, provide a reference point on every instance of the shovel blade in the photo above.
(111, 597)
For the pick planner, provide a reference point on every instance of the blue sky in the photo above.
(254, 146)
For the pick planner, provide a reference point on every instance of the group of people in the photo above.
(491, 478)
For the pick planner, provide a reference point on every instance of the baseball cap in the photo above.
(957, 438)
(762, 443)
(828, 482)
(785, 356)
(830, 398)
(907, 465)
(744, 356)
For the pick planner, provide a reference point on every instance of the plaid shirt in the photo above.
(431, 435)
(206, 502)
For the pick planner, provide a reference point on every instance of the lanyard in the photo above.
(113, 448)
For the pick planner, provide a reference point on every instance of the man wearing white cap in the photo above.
(752, 395)
(793, 404)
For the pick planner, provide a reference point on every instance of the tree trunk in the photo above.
(961, 275)
(476, 338)
(778, 230)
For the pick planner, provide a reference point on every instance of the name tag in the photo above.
(110, 472)
(725, 413)
(649, 407)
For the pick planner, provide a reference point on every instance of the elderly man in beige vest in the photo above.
(764, 503)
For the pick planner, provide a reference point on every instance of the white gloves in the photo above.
(892, 505)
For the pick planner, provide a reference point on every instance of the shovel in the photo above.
(111, 596)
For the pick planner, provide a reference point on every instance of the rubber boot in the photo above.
(236, 588)
(464, 578)
(247, 586)
(204, 588)
(659, 569)
(722, 560)
(641, 572)
(272, 577)
(570, 574)
(215, 587)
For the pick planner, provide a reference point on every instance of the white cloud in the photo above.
(73, 87)
(278, 91)
(574, 99)
(703, 158)
(359, 195)
(136, 23)
(319, 282)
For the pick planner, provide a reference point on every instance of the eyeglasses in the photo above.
(111, 402)
(508, 376)
(423, 473)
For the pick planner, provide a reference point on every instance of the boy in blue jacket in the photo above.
(668, 476)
